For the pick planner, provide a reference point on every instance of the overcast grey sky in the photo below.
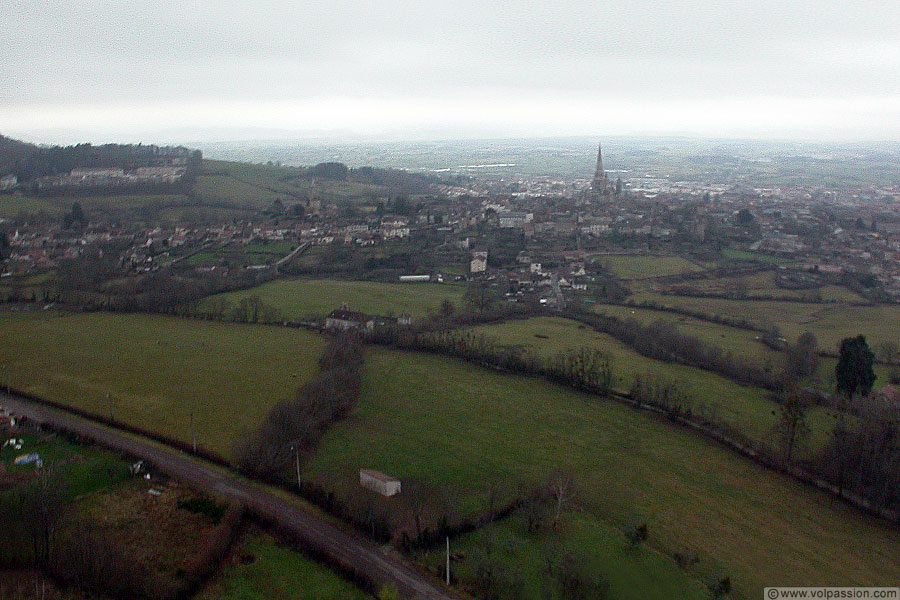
(812, 69)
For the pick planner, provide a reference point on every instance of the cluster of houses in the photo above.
(343, 319)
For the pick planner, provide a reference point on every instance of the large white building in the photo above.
(478, 263)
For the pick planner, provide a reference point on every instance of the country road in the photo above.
(346, 549)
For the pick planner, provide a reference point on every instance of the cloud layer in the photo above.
(757, 68)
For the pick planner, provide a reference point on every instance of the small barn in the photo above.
(379, 482)
(348, 320)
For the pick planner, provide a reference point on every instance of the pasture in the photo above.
(302, 298)
(748, 409)
(741, 342)
(829, 322)
(56, 206)
(646, 267)
(451, 425)
(631, 572)
(764, 285)
(168, 375)
(276, 572)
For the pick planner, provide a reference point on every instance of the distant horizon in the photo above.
(323, 138)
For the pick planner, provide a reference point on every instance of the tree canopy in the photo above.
(855, 371)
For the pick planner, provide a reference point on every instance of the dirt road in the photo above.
(346, 549)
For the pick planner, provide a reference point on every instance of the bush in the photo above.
(721, 587)
(637, 534)
(203, 506)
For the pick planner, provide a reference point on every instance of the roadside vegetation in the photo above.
(84, 523)
(261, 567)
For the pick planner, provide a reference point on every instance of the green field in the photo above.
(13, 205)
(764, 285)
(84, 469)
(631, 572)
(732, 254)
(277, 572)
(452, 425)
(829, 322)
(645, 267)
(743, 343)
(223, 188)
(257, 253)
(154, 372)
(301, 298)
(748, 409)
(259, 185)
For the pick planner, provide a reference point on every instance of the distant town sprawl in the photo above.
(537, 238)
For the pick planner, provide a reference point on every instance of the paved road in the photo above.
(346, 549)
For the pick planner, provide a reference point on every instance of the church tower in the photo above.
(601, 185)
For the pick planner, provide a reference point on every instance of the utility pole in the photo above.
(193, 433)
(296, 449)
(448, 560)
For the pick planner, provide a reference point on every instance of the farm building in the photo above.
(347, 320)
(379, 482)
(479, 262)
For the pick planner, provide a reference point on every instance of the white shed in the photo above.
(379, 482)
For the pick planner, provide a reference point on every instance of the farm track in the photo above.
(349, 551)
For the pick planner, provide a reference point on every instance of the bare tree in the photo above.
(803, 357)
(562, 490)
(791, 427)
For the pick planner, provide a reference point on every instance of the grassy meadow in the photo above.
(741, 342)
(646, 267)
(154, 372)
(764, 285)
(631, 572)
(84, 469)
(14, 205)
(275, 571)
(829, 322)
(260, 185)
(748, 409)
(452, 425)
(301, 298)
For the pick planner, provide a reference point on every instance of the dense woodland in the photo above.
(28, 162)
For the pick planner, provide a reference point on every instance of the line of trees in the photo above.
(587, 369)
(294, 427)
(863, 455)
(663, 341)
(678, 310)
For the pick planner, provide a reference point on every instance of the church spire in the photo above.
(601, 184)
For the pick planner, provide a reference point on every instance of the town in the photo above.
(541, 243)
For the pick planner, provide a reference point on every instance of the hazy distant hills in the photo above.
(766, 163)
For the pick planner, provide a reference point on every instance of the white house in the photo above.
(8, 182)
(479, 262)
(379, 482)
